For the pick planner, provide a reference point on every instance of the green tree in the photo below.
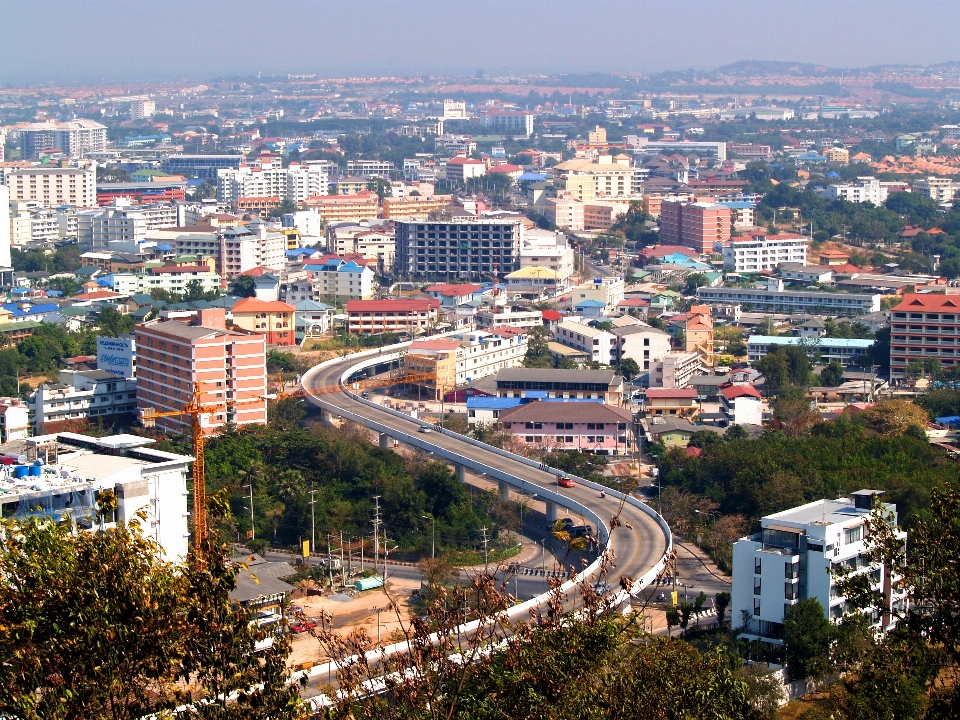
(629, 368)
(381, 187)
(538, 352)
(694, 281)
(243, 286)
(722, 602)
(118, 642)
(832, 374)
(114, 324)
(737, 348)
(808, 635)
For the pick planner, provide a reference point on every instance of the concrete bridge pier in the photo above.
(326, 417)
(551, 511)
(386, 442)
(504, 489)
(461, 473)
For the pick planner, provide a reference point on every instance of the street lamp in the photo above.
(433, 535)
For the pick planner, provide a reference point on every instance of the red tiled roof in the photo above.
(252, 304)
(551, 315)
(392, 305)
(693, 452)
(662, 250)
(669, 393)
(464, 161)
(451, 290)
(935, 303)
(434, 345)
(505, 168)
(734, 391)
(506, 331)
(634, 302)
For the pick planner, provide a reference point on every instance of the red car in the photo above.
(299, 627)
(565, 482)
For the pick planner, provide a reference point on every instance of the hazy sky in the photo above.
(62, 41)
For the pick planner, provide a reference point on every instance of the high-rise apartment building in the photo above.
(228, 366)
(508, 121)
(699, 225)
(237, 249)
(141, 109)
(865, 189)
(73, 139)
(54, 186)
(295, 183)
(467, 249)
(5, 261)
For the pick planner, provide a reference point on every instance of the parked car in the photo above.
(303, 626)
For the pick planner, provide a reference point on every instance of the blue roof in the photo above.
(948, 420)
(298, 252)
(738, 205)
(350, 267)
(476, 402)
(537, 394)
(54, 293)
(535, 177)
(590, 303)
(166, 248)
(824, 342)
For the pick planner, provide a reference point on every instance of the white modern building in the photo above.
(90, 395)
(66, 472)
(939, 189)
(117, 355)
(509, 317)
(791, 559)
(865, 189)
(508, 121)
(544, 248)
(843, 350)
(142, 109)
(337, 281)
(741, 404)
(74, 138)
(608, 290)
(790, 301)
(54, 186)
(122, 226)
(170, 277)
(599, 345)
(675, 370)
(764, 252)
(295, 183)
(642, 343)
(370, 168)
(14, 419)
(5, 241)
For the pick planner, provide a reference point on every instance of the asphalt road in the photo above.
(637, 544)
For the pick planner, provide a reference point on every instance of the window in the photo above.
(852, 535)
(756, 606)
(791, 570)
(756, 566)
(756, 586)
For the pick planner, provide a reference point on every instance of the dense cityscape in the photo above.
(482, 394)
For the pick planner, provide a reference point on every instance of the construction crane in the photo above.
(196, 409)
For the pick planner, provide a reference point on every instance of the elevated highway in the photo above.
(640, 544)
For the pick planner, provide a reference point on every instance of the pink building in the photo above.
(586, 426)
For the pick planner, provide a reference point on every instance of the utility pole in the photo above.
(253, 529)
(349, 557)
(329, 563)
(313, 521)
(342, 566)
(376, 532)
(485, 556)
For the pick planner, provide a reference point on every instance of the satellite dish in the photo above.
(22, 460)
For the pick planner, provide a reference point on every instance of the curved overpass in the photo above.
(639, 546)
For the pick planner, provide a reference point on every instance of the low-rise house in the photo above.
(600, 346)
(741, 404)
(14, 419)
(603, 385)
(272, 319)
(486, 410)
(371, 317)
(584, 426)
(454, 295)
(311, 319)
(674, 431)
(671, 401)
(642, 343)
(514, 317)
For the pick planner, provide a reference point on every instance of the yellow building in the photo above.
(837, 155)
(402, 208)
(438, 357)
(698, 331)
(345, 208)
(587, 180)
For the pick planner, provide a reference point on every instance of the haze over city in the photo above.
(489, 360)
(107, 40)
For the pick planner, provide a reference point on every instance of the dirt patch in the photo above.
(356, 613)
